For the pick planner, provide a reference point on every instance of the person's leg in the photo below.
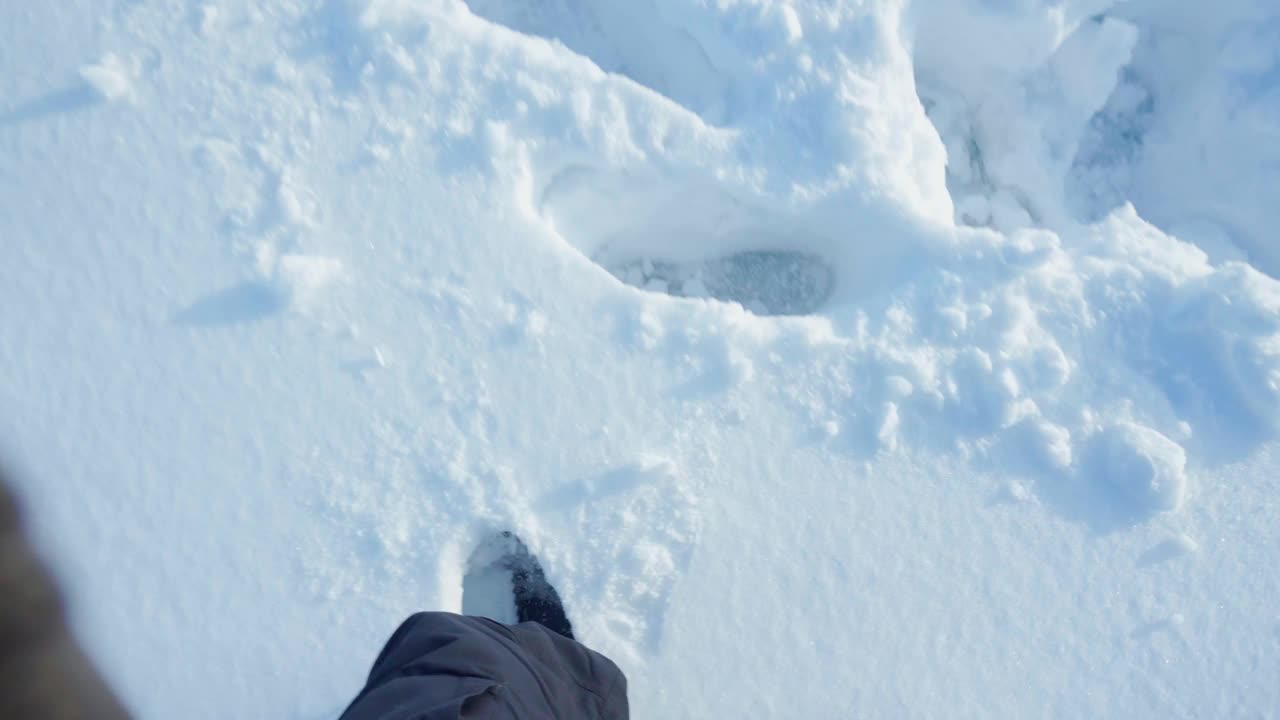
(440, 666)
(428, 665)
(43, 671)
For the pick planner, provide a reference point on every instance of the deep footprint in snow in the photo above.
(766, 282)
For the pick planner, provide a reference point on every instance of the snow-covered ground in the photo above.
(894, 358)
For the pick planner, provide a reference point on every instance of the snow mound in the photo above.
(1145, 466)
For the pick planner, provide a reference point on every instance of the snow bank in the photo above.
(1164, 105)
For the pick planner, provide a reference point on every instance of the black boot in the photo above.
(534, 598)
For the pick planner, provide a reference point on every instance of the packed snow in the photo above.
(895, 358)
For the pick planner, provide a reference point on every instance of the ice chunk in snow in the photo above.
(110, 78)
(298, 278)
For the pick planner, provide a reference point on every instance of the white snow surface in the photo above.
(301, 300)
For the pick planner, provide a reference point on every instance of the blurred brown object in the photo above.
(43, 672)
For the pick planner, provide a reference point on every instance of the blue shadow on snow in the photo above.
(246, 302)
(68, 100)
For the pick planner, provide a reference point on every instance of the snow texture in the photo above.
(883, 359)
